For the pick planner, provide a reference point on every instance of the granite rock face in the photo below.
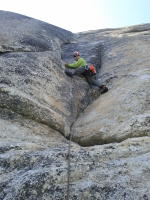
(33, 82)
(40, 106)
(125, 67)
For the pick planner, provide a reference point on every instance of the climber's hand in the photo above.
(66, 64)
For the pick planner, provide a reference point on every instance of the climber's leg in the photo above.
(70, 72)
(94, 81)
(80, 70)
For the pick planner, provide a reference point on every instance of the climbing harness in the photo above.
(89, 69)
(71, 134)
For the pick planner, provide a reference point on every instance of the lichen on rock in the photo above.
(40, 105)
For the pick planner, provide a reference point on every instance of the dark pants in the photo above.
(81, 71)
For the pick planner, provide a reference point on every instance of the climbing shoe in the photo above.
(104, 89)
(69, 73)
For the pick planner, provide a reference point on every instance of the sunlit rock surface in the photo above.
(125, 110)
(40, 105)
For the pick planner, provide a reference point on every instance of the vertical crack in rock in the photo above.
(33, 153)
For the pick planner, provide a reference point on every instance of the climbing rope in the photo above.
(71, 134)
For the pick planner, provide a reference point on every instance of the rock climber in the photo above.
(80, 67)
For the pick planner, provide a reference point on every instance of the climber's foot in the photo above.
(104, 89)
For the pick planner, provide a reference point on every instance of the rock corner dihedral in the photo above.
(38, 103)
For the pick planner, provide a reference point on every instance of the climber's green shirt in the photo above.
(79, 63)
